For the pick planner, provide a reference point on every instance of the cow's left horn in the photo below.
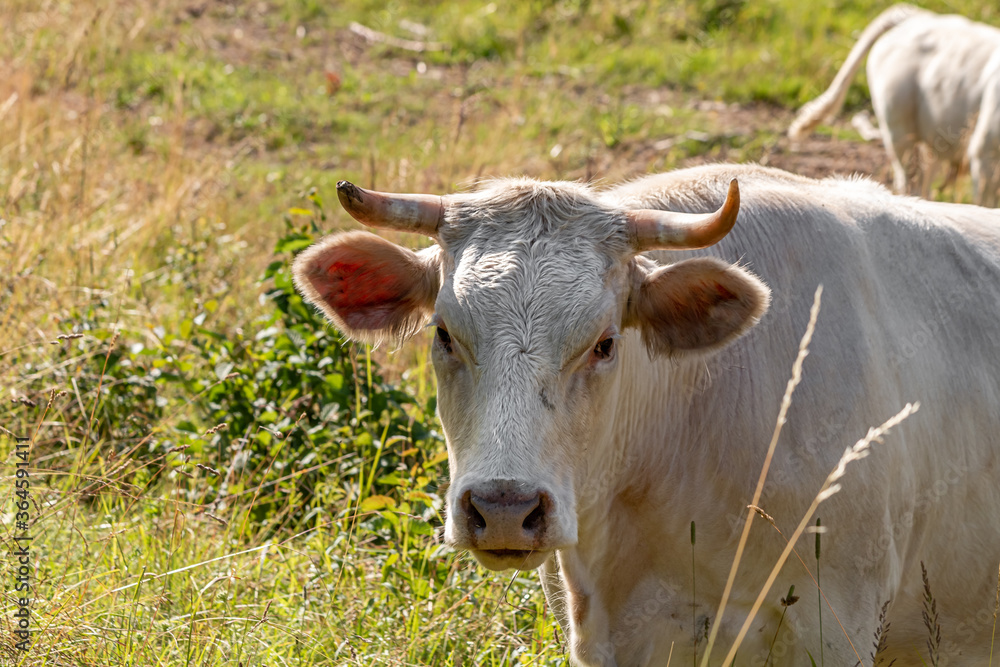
(420, 214)
(666, 230)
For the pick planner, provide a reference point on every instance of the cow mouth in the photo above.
(511, 559)
(508, 553)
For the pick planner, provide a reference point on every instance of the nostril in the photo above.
(476, 520)
(534, 521)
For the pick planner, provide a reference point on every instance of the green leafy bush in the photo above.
(299, 400)
(290, 414)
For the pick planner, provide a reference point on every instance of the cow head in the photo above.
(529, 290)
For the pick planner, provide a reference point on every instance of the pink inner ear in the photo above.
(695, 302)
(360, 284)
(368, 287)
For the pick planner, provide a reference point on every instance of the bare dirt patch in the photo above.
(817, 156)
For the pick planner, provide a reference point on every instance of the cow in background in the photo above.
(609, 367)
(935, 86)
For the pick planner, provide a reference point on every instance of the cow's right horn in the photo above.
(666, 230)
(420, 214)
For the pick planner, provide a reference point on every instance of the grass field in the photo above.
(216, 478)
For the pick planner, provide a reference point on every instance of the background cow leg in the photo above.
(984, 146)
(930, 164)
(951, 179)
(898, 152)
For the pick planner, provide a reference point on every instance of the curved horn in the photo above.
(667, 230)
(420, 214)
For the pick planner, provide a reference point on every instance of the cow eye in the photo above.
(605, 348)
(444, 338)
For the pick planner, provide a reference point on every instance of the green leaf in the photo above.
(373, 503)
(336, 381)
(418, 527)
(293, 242)
(273, 268)
(223, 368)
(436, 459)
(264, 334)
(392, 479)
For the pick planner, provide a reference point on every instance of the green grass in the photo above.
(152, 157)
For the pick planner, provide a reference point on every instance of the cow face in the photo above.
(528, 292)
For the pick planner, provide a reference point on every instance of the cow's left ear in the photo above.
(695, 305)
(369, 288)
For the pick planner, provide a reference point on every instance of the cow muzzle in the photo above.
(504, 525)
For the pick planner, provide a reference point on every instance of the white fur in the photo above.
(532, 273)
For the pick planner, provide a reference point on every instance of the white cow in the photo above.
(597, 400)
(934, 82)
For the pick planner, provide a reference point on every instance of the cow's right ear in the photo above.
(369, 288)
(694, 306)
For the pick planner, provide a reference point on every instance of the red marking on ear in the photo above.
(360, 285)
(696, 302)
(723, 293)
